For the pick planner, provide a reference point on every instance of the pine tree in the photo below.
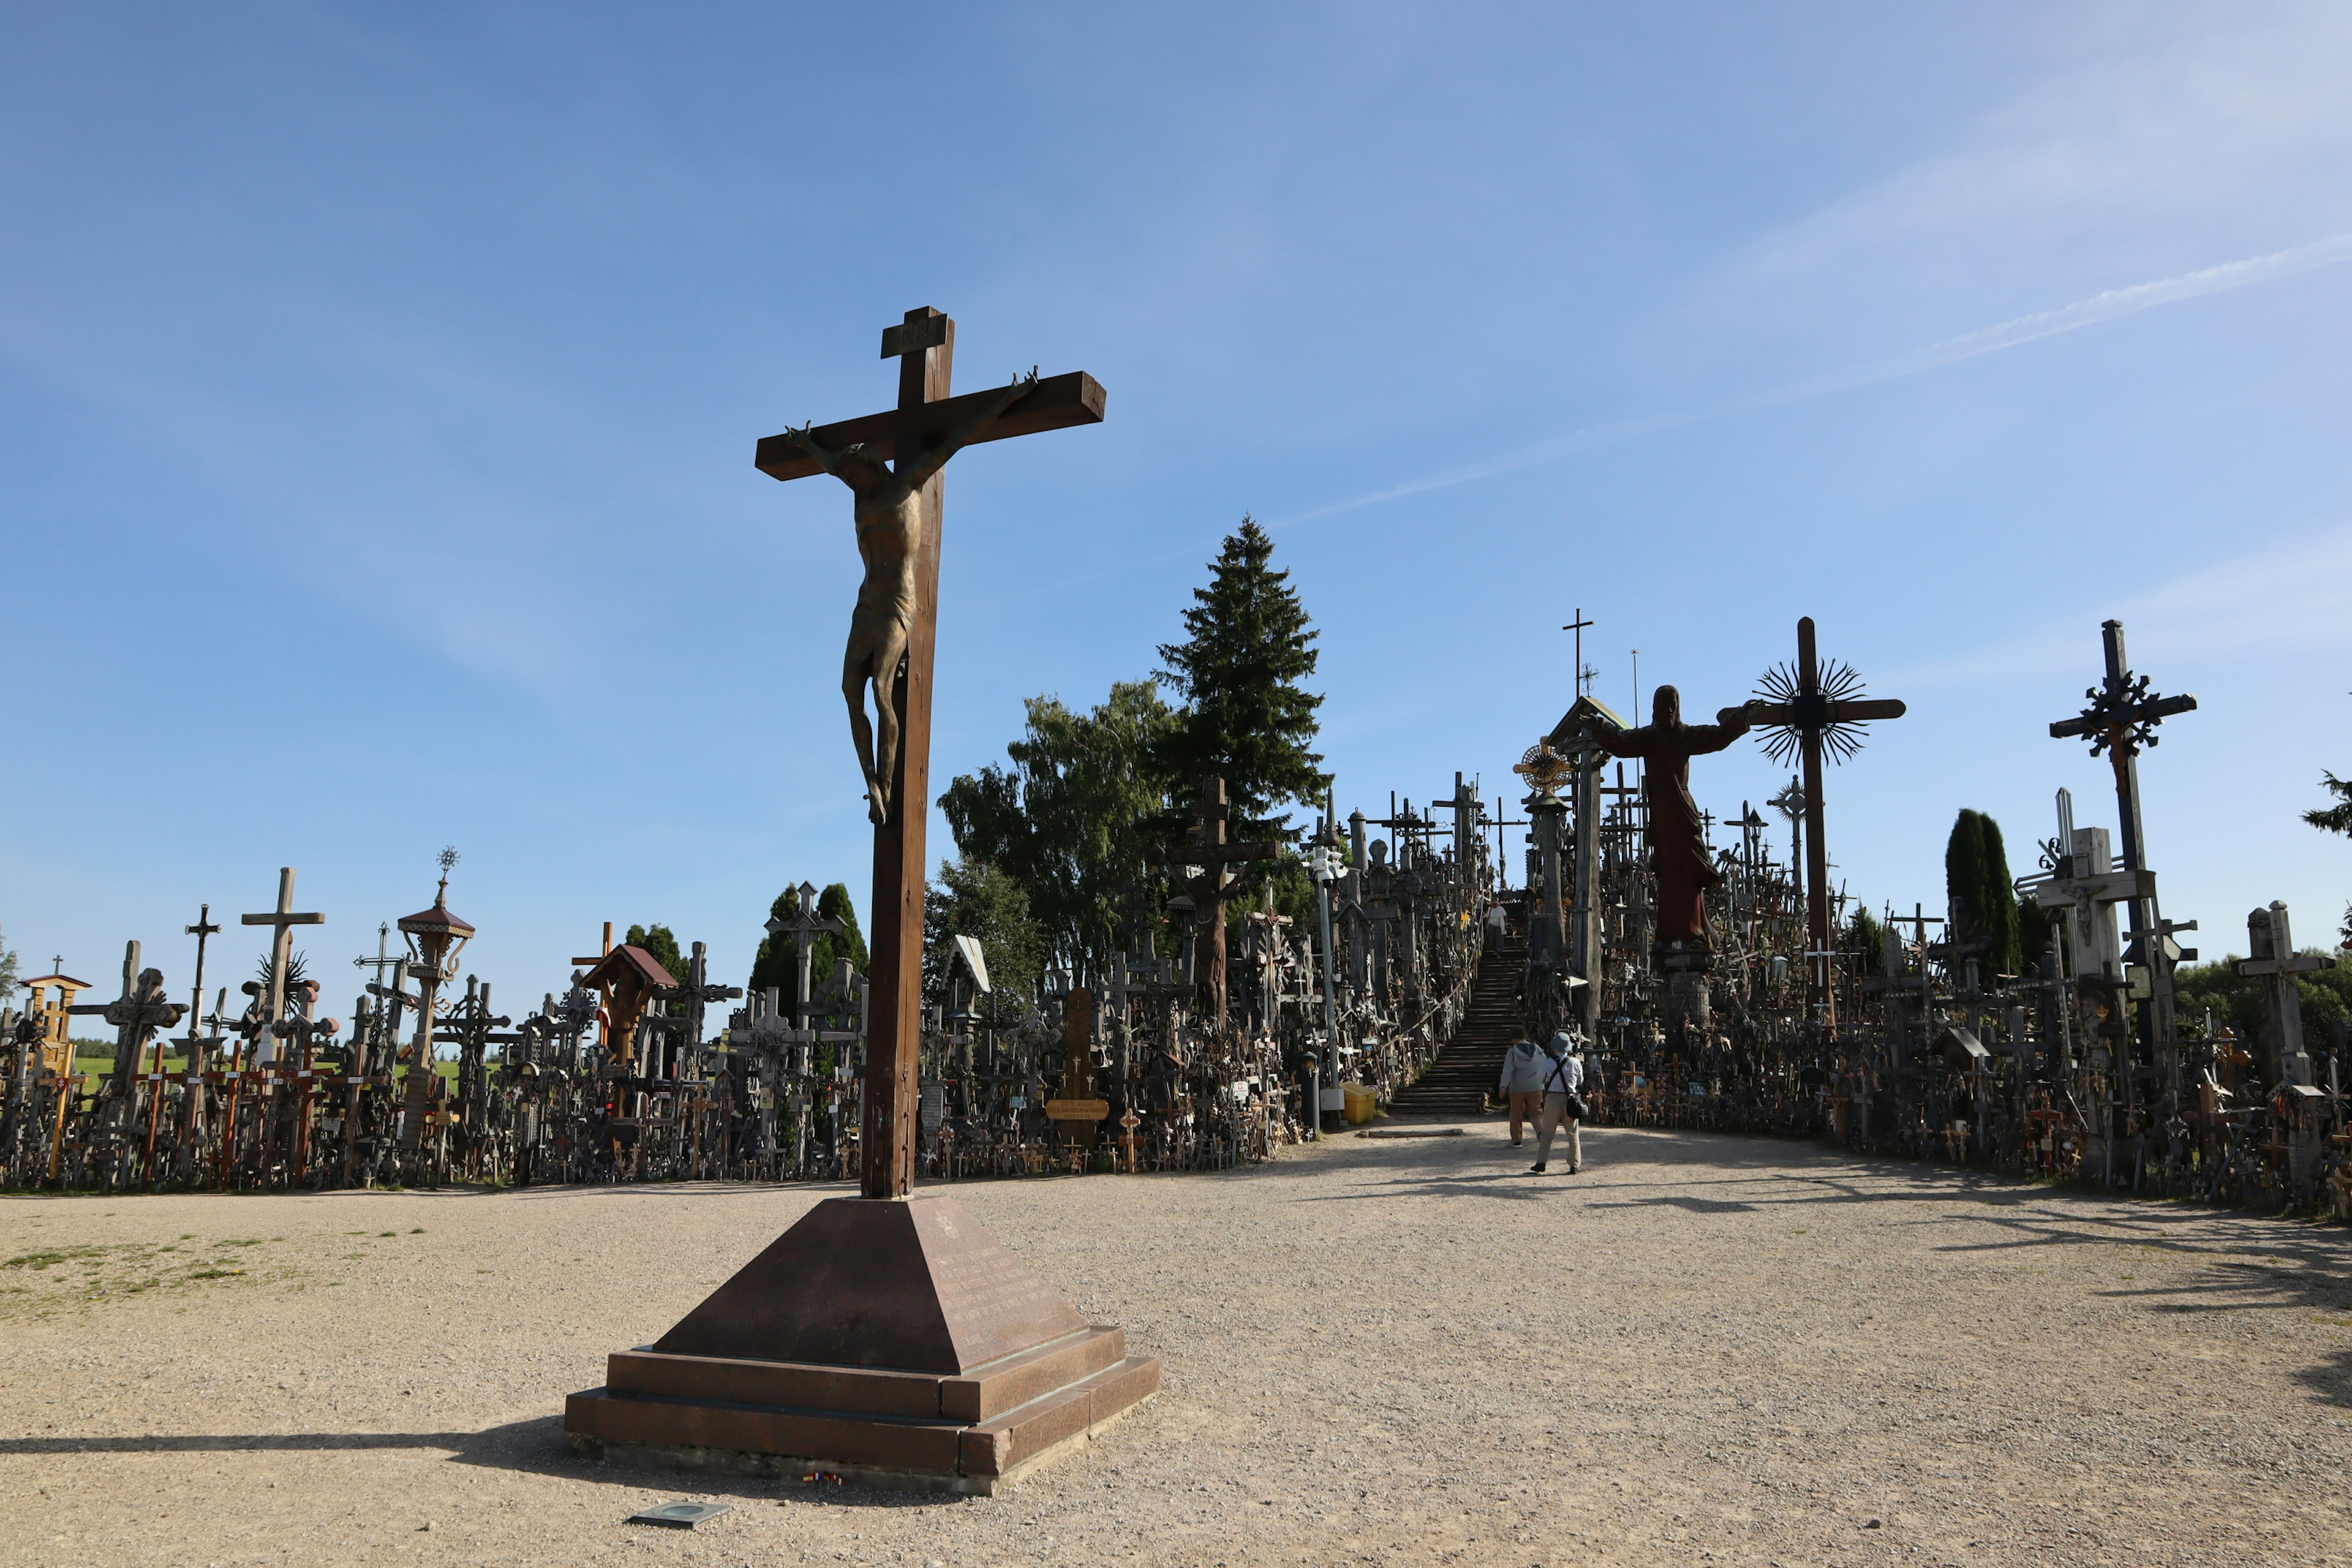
(2336, 819)
(1976, 883)
(1248, 644)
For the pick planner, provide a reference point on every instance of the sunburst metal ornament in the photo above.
(1543, 767)
(1805, 709)
(1818, 711)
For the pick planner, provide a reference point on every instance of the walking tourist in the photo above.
(1522, 1083)
(1563, 1104)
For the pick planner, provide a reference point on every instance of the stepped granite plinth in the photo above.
(891, 1342)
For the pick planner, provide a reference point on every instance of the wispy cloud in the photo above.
(2296, 597)
(2108, 305)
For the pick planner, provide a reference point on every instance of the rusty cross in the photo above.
(924, 345)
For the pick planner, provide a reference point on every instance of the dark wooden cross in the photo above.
(1209, 888)
(1810, 711)
(2120, 717)
(1578, 626)
(924, 345)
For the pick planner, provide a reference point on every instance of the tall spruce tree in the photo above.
(1248, 644)
(2336, 819)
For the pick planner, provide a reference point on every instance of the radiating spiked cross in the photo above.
(1806, 708)
(924, 345)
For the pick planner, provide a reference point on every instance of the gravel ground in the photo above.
(1701, 1350)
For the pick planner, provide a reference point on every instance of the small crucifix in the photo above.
(1209, 888)
(893, 635)
(1812, 707)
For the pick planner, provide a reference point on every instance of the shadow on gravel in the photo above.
(534, 1447)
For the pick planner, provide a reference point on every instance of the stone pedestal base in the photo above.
(890, 1343)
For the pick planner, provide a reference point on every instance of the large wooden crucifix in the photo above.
(1209, 888)
(1812, 708)
(915, 438)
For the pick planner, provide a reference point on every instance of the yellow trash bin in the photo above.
(1363, 1103)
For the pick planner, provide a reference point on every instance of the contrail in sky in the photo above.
(2008, 334)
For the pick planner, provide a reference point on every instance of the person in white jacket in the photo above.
(1563, 1077)
(1522, 1084)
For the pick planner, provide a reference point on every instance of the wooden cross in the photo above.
(281, 947)
(138, 1013)
(1812, 711)
(202, 930)
(924, 345)
(1209, 888)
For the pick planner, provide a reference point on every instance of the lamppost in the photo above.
(433, 937)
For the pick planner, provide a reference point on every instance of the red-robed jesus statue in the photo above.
(1678, 849)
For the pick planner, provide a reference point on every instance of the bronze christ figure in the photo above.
(889, 514)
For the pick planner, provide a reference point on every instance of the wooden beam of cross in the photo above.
(1806, 708)
(924, 345)
(281, 946)
(1209, 888)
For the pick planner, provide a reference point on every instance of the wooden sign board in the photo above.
(1078, 1110)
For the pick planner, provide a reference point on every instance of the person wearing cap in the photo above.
(1563, 1106)
(1522, 1083)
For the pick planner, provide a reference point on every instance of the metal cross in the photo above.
(1578, 626)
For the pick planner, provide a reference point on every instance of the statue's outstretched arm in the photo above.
(807, 442)
(956, 440)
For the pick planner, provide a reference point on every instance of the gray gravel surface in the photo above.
(1396, 1351)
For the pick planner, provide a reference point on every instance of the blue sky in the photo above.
(378, 388)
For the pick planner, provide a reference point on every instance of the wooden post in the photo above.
(894, 1025)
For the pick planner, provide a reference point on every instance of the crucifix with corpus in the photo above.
(1207, 878)
(1809, 707)
(888, 1289)
(893, 462)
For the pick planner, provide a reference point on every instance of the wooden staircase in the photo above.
(1460, 1080)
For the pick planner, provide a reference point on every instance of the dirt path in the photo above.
(1400, 1351)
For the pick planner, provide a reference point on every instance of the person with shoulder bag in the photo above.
(1563, 1104)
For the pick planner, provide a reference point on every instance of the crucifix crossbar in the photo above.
(911, 436)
